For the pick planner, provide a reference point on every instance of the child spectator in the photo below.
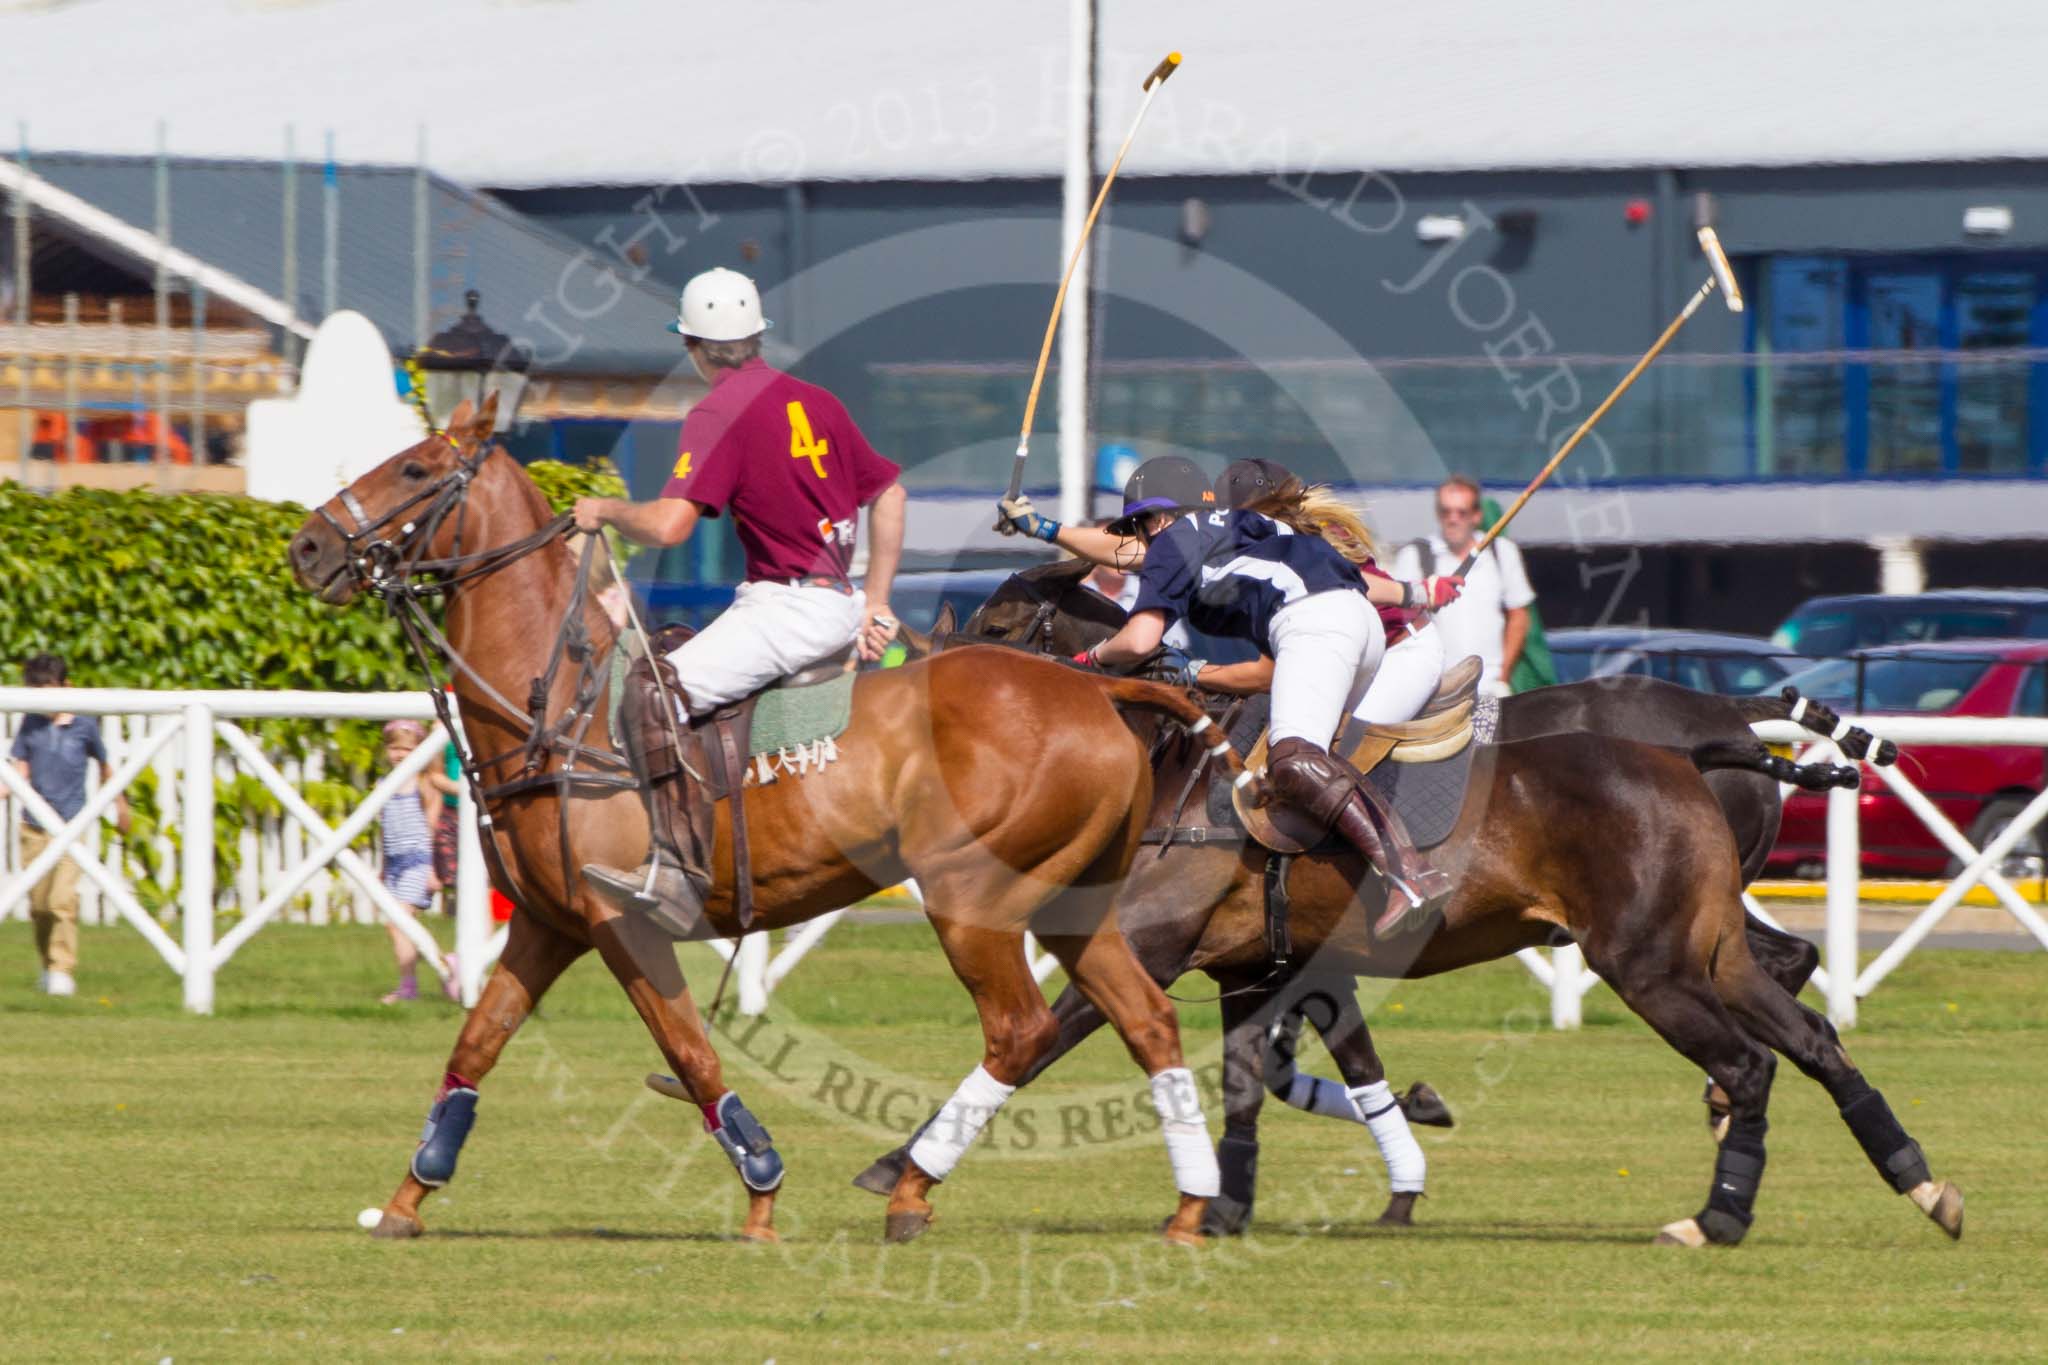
(409, 856)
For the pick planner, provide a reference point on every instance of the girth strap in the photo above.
(1279, 941)
(728, 754)
(1192, 834)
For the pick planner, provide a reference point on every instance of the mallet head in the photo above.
(1724, 274)
(1167, 66)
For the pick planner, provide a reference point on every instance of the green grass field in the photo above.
(187, 1187)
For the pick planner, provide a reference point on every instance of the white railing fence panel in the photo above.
(294, 865)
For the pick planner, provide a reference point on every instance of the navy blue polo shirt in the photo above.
(57, 756)
(1227, 573)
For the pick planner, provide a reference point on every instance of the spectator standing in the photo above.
(1491, 617)
(409, 855)
(52, 752)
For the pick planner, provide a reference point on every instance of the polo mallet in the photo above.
(1723, 277)
(1153, 82)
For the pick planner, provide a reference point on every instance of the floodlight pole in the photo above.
(1075, 477)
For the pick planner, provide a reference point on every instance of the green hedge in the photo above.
(191, 590)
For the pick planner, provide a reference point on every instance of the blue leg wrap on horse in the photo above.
(1738, 1171)
(747, 1144)
(1897, 1157)
(448, 1125)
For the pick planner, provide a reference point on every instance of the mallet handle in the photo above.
(1691, 306)
(1153, 82)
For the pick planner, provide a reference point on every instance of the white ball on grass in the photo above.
(369, 1218)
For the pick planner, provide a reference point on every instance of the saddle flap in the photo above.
(1422, 740)
(1427, 739)
(1460, 683)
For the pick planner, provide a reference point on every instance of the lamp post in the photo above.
(469, 361)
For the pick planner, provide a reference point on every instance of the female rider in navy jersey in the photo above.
(1244, 574)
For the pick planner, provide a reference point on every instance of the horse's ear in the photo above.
(486, 420)
(459, 419)
(944, 624)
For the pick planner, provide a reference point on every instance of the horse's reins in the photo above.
(393, 567)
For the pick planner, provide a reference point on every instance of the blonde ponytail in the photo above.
(1317, 511)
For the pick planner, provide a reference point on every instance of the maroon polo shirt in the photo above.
(789, 462)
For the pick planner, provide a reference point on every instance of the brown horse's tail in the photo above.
(1852, 740)
(1187, 712)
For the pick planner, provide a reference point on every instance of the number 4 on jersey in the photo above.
(803, 445)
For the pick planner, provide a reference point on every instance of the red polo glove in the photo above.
(1442, 590)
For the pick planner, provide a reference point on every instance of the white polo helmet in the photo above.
(719, 305)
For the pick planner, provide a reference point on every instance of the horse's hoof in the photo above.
(907, 1226)
(881, 1177)
(1224, 1218)
(1423, 1105)
(1184, 1228)
(1400, 1211)
(1944, 1204)
(397, 1227)
(1684, 1233)
(760, 1236)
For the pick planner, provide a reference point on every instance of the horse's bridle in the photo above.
(396, 569)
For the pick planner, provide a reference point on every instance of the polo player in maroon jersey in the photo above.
(795, 471)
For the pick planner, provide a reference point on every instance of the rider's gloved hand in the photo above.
(1435, 592)
(1443, 589)
(1018, 515)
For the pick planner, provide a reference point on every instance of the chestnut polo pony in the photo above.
(1011, 787)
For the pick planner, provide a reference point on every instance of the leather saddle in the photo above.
(1443, 730)
(710, 749)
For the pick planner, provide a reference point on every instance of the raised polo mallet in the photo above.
(1169, 65)
(1723, 278)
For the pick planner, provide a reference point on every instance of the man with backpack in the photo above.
(1491, 617)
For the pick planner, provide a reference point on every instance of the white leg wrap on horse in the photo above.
(1314, 1095)
(1187, 1136)
(959, 1122)
(1406, 1165)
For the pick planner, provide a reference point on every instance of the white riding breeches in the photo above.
(1326, 648)
(1408, 678)
(770, 631)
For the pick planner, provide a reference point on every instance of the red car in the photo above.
(1980, 787)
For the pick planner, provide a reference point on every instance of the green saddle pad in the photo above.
(791, 716)
(785, 719)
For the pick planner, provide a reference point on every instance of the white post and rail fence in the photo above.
(294, 865)
(1842, 978)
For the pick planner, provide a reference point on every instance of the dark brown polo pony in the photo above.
(1619, 845)
(1011, 787)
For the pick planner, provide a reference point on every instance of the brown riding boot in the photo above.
(1317, 785)
(669, 888)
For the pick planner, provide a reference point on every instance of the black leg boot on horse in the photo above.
(1327, 791)
(670, 887)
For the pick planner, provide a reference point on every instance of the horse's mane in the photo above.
(1057, 581)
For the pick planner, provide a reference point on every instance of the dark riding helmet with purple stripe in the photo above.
(1164, 483)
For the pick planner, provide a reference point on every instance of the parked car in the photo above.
(1980, 787)
(1732, 665)
(1829, 626)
